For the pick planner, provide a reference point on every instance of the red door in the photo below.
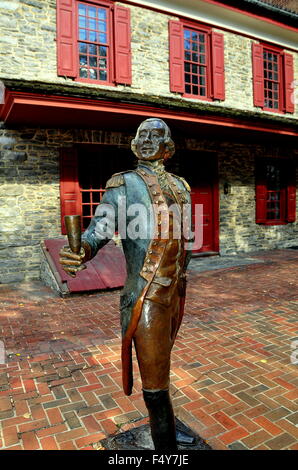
(200, 171)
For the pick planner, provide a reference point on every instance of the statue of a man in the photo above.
(152, 300)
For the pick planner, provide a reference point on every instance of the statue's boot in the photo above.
(162, 420)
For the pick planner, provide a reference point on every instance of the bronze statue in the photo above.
(152, 300)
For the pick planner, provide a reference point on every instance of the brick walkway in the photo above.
(232, 379)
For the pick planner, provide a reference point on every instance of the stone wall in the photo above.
(30, 197)
(28, 51)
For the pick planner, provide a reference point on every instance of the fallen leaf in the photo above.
(27, 415)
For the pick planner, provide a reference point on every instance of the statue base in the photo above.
(140, 439)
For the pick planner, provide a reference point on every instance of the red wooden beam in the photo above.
(18, 103)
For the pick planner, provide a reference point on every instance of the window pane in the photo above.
(187, 55)
(83, 47)
(92, 49)
(187, 88)
(101, 13)
(186, 67)
(102, 26)
(82, 22)
(194, 46)
(194, 36)
(202, 59)
(187, 77)
(92, 36)
(92, 61)
(93, 74)
(103, 63)
(85, 197)
(195, 90)
(86, 210)
(186, 34)
(83, 72)
(202, 91)
(194, 68)
(195, 79)
(91, 24)
(102, 51)
(82, 34)
(102, 38)
(195, 57)
(83, 59)
(202, 81)
(187, 44)
(92, 12)
(82, 10)
(96, 197)
(103, 75)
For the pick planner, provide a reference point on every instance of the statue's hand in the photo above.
(71, 262)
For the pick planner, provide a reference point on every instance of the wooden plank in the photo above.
(105, 271)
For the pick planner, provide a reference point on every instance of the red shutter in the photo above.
(258, 74)
(289, 79)
(70, 196)
(291, 192)
(176, 57)
(66, 38)
(261, 194)
(217, 48)
(122, 45)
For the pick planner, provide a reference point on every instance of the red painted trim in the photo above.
(263, 18)
(252, 15)
(14, 98)
(216, 209)
(95, 82)
(188, 23)
(274, 223)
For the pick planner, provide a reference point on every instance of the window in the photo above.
(93, 41)
(273, 76)
(275, 191)
(196, 61)
(84, 171)
(94, 47)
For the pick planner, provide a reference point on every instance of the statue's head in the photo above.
(153, 141)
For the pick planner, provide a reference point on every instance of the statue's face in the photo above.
(150, 144)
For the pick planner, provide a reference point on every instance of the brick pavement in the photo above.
(232, 380)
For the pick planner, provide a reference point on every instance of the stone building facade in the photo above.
(233, 131)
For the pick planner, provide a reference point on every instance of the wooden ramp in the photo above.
(107, 270)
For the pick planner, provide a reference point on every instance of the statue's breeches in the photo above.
(154, 339)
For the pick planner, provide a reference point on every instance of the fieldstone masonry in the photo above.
(30, 197)
(28, 51)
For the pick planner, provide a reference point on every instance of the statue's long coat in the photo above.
(148, 258)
